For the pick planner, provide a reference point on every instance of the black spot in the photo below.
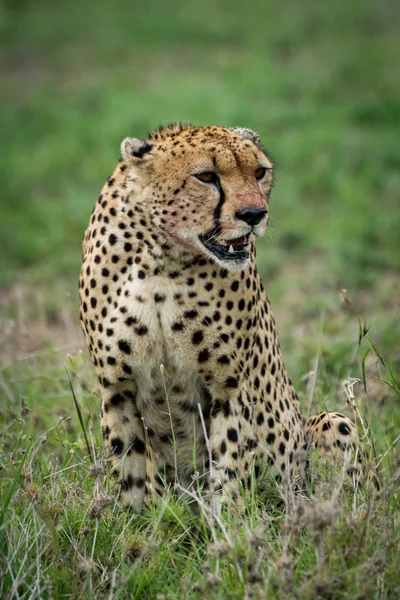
(230, 473)
(112, 239)
(127, 484)
(223, 360)
(344, 429)
(270, 438)
(117, 399)
(117, 446)
(282, 448)
(260, 418)
(137, 445)
(326, 426)
(138, 482)
(250, 444)
(231, 382)
(233, 434)
(126, 369)
(339, 444)
(130, 321)
(197, 337)
(204, 355)
(141, 330)
(124, 346)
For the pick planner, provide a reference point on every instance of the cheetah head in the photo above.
(205, 188)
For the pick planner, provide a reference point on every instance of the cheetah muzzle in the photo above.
(235, 251)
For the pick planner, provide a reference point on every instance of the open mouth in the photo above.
(233, 250)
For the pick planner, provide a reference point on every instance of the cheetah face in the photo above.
(205, 188)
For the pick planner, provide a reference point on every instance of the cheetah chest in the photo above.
(168, 390)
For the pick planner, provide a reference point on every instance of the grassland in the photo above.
(320, 84)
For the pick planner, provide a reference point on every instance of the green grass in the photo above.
(320, 84)
(63, 535)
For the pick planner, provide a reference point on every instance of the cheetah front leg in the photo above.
(125, 445)
(231, 451)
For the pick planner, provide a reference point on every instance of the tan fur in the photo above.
(173, 329)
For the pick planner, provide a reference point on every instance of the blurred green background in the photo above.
(318, 80)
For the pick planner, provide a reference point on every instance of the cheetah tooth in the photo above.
(231, 250)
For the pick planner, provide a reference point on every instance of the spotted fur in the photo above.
(177, 322)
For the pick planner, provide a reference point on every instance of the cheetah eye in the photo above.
(207, 177)
(260, 173)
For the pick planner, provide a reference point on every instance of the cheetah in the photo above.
(177, 323)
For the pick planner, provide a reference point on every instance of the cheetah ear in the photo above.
(248, 134)
(132, 148)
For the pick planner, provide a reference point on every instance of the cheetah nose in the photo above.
(251, 216)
